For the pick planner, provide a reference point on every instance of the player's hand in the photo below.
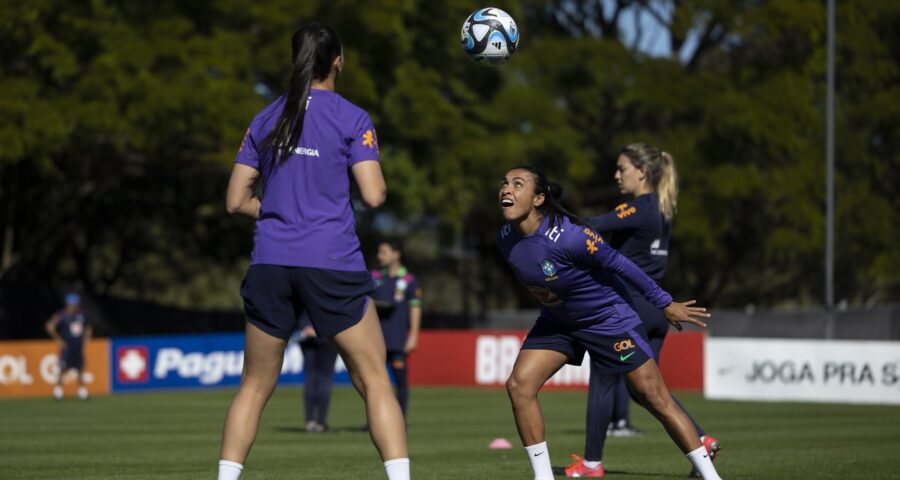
(411, 344)
(682, 312)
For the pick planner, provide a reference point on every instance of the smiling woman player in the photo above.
(576, 276)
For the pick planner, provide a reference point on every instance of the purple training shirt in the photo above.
(306, 219)
(575, 275)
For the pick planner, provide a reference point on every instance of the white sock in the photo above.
(57, 392)
(82, 393)
(703, 464)
(592, 465)
(397, 469)
(229, 470)
(539, 457)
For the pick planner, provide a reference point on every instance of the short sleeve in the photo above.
(413, 292)
(248, 153)
(364, 141)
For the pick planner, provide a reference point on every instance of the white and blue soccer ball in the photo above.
(490, 36)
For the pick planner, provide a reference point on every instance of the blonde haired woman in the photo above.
(640, 229)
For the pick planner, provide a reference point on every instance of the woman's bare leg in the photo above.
(531, 370)
(649, 389)
(362, 348)
(263, 356)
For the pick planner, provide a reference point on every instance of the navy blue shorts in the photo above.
(617, 353)
(275, 296)
(71, 357)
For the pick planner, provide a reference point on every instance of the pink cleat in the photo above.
(712, 445)
(578, 469)
(712, 448)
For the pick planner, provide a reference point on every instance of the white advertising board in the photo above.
(833, 371)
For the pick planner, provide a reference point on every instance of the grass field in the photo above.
(176, 436)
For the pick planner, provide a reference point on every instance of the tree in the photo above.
(121, 120)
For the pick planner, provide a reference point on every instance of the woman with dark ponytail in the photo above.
(305, 150)
(640, 229)
(578, 279)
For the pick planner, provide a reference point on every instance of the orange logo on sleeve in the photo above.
(370, 140)
(592, 242)
(624, 210)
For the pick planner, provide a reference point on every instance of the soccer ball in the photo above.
(490, 36)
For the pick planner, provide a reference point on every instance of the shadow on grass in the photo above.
(302, 429)
(561, 471)
(580, 431)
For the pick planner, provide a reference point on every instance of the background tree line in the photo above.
(119, 121)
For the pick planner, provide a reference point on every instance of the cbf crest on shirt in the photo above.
(549, 268)
(576, 276)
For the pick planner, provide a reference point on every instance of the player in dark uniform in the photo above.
(399, 302)
(578, 279)
(319, 356)
(306, 150)
(639, 229)
(70, 327)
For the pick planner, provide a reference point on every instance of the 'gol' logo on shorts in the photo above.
(623, 345)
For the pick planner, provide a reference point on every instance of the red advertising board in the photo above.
(682, 360)
(485, 358)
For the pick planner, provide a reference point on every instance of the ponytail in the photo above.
(667, 188)
(659, 167)
(314, 46)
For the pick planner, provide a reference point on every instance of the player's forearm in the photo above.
(415, 320)
(645, 285)
(610, 222)
(248, 207)
(52, 332)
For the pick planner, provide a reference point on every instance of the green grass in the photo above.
(176, 436)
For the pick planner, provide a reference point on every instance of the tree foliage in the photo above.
(121, 120)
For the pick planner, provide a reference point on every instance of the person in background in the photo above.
(399, 302)
(307, 149)
(319, 356)
(641, 230)
(71, 329)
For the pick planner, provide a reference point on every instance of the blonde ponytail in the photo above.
(667, 189)
(659, 167)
